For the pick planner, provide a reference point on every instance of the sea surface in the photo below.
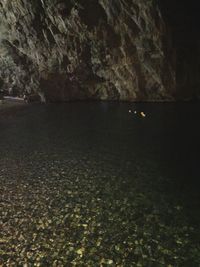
(98, 184)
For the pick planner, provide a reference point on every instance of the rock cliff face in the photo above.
(86, 49)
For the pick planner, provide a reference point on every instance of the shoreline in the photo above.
(8, 107)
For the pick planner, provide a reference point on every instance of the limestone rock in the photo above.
(87, 49)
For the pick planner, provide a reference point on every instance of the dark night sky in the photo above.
(184, 18)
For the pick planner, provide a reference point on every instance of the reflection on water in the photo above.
(108, 153)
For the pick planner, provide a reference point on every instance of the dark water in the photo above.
(156, 156)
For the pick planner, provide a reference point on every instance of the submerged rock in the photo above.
(100, 49)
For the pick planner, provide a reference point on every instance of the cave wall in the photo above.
(87, 49)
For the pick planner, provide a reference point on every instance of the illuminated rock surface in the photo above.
(65, 50)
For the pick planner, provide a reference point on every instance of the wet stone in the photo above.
(69, 205)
